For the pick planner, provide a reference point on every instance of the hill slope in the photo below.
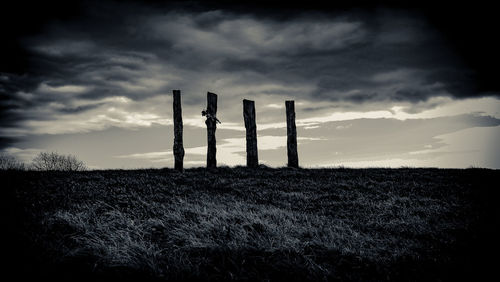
(248, 224)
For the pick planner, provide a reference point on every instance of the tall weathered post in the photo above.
(251, 128)
(291, 131)
(211, 123)
(178, 145)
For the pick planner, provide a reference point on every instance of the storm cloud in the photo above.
(114, 65)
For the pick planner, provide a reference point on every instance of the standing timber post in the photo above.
(211, 123)
(291, 131)
(251, 128)
(178, 144)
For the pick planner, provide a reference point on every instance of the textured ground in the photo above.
(248, 224)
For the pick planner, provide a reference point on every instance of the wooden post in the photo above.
(178, 146)
(291, 131)
(211, 127)
(249, 117)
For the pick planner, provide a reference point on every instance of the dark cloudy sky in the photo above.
(374, 85)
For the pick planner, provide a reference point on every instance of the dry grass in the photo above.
(254, 224)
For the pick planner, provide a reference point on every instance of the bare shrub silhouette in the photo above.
(10, 162)
(55, 161)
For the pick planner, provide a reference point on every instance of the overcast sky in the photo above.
(373, 86)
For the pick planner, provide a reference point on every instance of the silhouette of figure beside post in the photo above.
(209, 116)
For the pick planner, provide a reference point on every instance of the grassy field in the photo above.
(251, 224)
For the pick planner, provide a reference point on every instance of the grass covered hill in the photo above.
(250, 224)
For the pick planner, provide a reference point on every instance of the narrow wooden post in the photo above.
(249, 117)
(178, 145)
(291, 131)
(211, 123)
